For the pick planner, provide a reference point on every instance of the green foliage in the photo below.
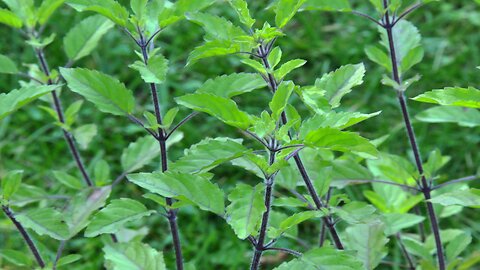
(112, 218)
(45, 221)
(82, 39)
(245, 210)
(155, 71)
(231, 85)
(106, 92)
(11, 183)
(241, 7)
(7, 65)
(285, 10)
(328, 5)
(18, 98)
(442, 114)
(192, 188)
(292, 221)
(9, 18)
(323, 258)
(469, 197)
(108, 8)
(134, 256)
(452, 96)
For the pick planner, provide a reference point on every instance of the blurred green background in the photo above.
(29, 140)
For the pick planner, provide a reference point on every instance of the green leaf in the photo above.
(208, 154)
(45, 221)
(133, 256)
(193, 188)
(216, 28)
(138, 7)
(72, 111)
(285, 10)
(369, 241)
(264, 125)
(84, 134)
(332, 119)
(11, 183)
(114, 216)
(325, 258)
(68, 180)
(82, 39)
(378, 56)
(457, 246)
(46, 9)
(139, 153)
(292, 221)
(255, 65)
(286, 68)
(106, 92)
(108, 8)
(336, 140)
(18, 258)
(356, 212)
(102, 171)
(470, 197)
(464, 117)
(213, 48)
(39, 43)
(340, 82)
(328, 5)
(71, 258)
(82, 207)
(395, 222)
(241, 7)
(169, 117)
(412, 58)
(24, 9)
(7, 65)
(274, 57)
(452, 96)
(280, 98)
(155, 71)
(18, 98)
(224, 109)
(245, 210)
(9, 18)
(235, 84)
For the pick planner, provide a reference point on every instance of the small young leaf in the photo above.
(45, 221)
(16, 99)
(66, 260)
(133, 256)
(139, 153)
(11, 183)
(286, 68)
(84, 134)
(71, 112)
(106, 92)
(216, 28)
(255, 65)
(194, 188)
(452, 96)
(274, 57)
(102, 172)
(285, 10)
(280, 98)
(412, 58)
(241, 7)
(293, 220)
(378, 56)
(224, 109)
(46, 9)
(111, 218)
(68, 180)
(7, 65)
(245, 210)
(9, 18)
(169, 117)
(82, 39)
(155, 71)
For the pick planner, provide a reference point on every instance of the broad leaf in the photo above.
(68, 180)
(280, 98)
(11, 183)
(106, 92)
(245, 210)
(9, 18)
(45, 221)
(111, 218)
(235, 84)
(325, 258)
(215, 48)
(285, 10)
(464, 117)
(155, 71)
(139, 153)
(340, 120)
(470, 197)
(452, 96)
(7, 65)
(328, 5)
(82, 39)
(334, 139)
(18, 258)
(46, 9)
(216, 28)
(133, 256)
(286, 68)
(108, 8)
(378, 56)
(369, 241)
(208, 154)
(292, 221)
(340, 82)
(241, 7)
(193, 188)
(224, 109)
(395, 222)
(18, 98)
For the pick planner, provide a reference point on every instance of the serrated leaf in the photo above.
(285, 10)
(82, 39)
(133, 256)
(15, 99)
(369, 241)
(213, 48)
(194, 188)
(208, 154)
(106, 92)
(111, 218)
(241, 7)
(224, 109)
(7, 65)
(325, 258)
(288, 67)
(470, 198)
(452, 96)
(46, 9)
(9, 18)
(235, 84)
(340, 82)
(334, 139)
(464, 117)
(108, 8)
(245, 210)
(45, 221)
(139, 153)
(155, 71)
(292, 221)
(11, 183)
